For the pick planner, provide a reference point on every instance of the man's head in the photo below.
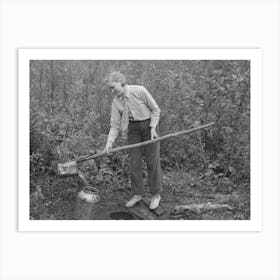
(117, 82)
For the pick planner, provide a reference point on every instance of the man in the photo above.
(135, 111)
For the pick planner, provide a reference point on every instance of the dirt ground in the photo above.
(185, 195)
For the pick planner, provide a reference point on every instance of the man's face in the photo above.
(117, 88)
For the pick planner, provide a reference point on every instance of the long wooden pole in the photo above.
(141, 144)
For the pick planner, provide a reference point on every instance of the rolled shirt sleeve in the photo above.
(153, 106)
(115, 123)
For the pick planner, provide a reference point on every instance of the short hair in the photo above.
(117, 77)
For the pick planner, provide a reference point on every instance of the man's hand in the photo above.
(153, 133)
(108, 147)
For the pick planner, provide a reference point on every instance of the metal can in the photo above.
(86, 205)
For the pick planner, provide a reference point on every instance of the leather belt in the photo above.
(133, 120)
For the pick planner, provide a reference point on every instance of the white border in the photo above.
(254, 55)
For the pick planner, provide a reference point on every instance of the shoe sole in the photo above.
(154, 208)
(133, 204)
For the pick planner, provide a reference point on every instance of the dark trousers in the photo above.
(139, 131)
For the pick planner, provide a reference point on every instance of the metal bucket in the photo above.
(87, 203)
(89, 194)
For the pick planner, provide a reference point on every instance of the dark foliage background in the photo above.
(70, 112)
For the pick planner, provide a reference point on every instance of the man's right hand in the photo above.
(108, 147)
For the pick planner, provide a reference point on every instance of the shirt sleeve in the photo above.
(115, 122)
(151, 103)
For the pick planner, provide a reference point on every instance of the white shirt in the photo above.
(141, 105)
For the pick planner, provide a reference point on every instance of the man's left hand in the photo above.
(153, 133)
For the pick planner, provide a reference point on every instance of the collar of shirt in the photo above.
(126, 93)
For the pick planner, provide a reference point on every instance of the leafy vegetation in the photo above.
(69, 117)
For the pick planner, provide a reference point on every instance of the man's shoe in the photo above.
(136, 198)
(155, 202)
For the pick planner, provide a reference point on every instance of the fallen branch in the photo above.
(198, 209)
